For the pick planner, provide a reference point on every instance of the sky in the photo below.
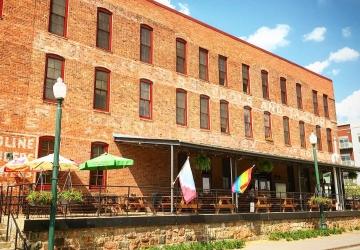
(321, 35)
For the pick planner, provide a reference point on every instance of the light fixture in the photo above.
(313, 138)
(59, 89)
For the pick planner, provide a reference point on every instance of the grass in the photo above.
(304, 234)
(215, 245)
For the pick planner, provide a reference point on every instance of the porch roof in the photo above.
(171, 142)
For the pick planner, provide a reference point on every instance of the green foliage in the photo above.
(203, 163)
(39, 198)
(304, 234)
(351, 189)
(71, 196)
(215, 245)
(352, 175)
(266, 166)
(320, 200)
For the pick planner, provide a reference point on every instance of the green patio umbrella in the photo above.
(106, 161)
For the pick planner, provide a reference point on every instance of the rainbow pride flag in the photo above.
(242, 182)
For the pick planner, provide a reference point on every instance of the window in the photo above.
(222, 70)
(329, 140)
(267, 125)
(97, 177)
(247, 121)
(326, 106)
(145, 106)
(203, 64)
(318, 135)
(104, 26)
(1, 8)
(286, 130)
(46, 147)
(265, 84)
(246, 78)
(58, 16)
(204, 112)
(102, 89)
(299, 96)
(224, 116)
(54, 68)
(283, 90)
(181, 107)
(315, 102)
(146, 43)
(180, 56)
(302, 134)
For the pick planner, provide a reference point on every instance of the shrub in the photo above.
(304, 234)
(39, 198)
(216, 245)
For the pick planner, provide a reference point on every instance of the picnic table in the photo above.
(288, 203)
(138, 203)
(193, 205)
(224, 202)
(262, 203)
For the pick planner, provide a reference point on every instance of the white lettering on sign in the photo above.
(18, 145)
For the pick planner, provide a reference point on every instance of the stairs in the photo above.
(4, 245)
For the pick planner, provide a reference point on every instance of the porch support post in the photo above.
(231, 178)
(236, 194)
(300, 191)
(172, 178)
(336, 188)
(341, 188)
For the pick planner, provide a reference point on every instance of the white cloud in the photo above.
(318, 66)
(182, 7)
(347, 110)
(270, 38)
(335, 72)
(346, 32)
(166, 2)
(342, 55)
(316, 35)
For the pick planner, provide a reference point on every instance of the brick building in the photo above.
(345, 144)
(157, 86)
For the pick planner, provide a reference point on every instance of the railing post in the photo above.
(128, 200)
(99, 209)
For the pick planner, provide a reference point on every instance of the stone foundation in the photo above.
(145, 236)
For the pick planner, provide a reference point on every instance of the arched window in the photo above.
(329, 140)
(267, 125)
(46, 147)
(204, 112)
(318, 135)
(181, 107)
(102, 89)
(265, 84)
(286, 130)
(181, 56)
(97, 177)
(146, 43)
(302, 134)
(299, 96)
(283, 90)
(224, 116)
(54, 68)
(248, 122)
(246, 78)
(58, 17)
(104, 29)
(145, 102)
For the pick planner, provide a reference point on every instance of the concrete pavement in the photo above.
(346, 241)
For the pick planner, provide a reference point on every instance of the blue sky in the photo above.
(323, 35)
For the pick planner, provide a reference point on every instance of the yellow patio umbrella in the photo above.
(46, 164)
(16, 165)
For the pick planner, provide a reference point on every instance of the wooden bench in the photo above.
(262, 203)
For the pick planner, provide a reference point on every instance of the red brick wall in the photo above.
(25, 42)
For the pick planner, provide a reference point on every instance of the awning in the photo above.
(121, 138)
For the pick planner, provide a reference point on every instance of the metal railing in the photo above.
(134, 201)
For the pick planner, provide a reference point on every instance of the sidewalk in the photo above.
(348, 241)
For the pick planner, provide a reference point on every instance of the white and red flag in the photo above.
(187, 182)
